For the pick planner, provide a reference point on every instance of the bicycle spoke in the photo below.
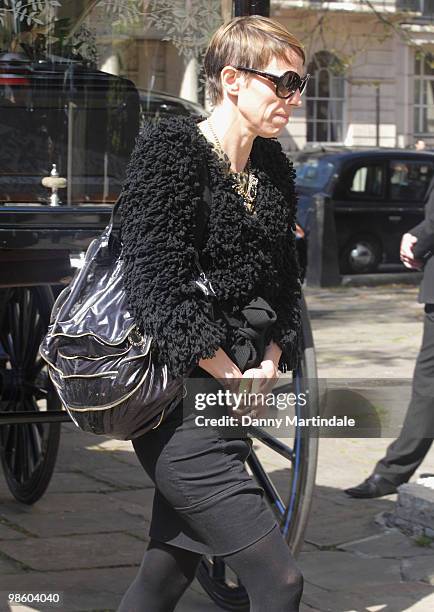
(27, 460)
(274, 443)
(266, 483)
(30, 314)
(14, 451)
(36, 368)
(33, 342)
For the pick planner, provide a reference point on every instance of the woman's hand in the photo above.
(223, 369)
(257, 382)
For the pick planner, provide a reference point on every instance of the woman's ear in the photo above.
(230, 79)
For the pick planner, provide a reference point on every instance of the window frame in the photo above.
(419, 105)
(348, 173)
(312, 120)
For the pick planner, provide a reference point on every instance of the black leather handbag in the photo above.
(104, 371)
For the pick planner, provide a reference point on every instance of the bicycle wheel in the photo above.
(285, 468)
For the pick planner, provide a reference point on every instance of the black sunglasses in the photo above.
(286, 84)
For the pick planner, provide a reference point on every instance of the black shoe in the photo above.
(374, 486)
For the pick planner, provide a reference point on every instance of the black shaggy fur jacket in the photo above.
(246, 255)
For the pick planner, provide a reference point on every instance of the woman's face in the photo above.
(257, 102)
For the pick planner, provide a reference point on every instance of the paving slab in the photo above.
(331, 524)
(141, 533)
(379, 331)
(73, 552)
(7, 565)
(137, 502)
(124, 477)
(80, 522)
(102, 446)
(84, 452)
(391, 597)
(392, 544)
(9, 533)
(77, 482)
(79, 458)
(328, 600)
(343, 571)
(419, 568)
(61, 502)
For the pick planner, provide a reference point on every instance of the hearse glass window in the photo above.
(366, 182)
(79, 78)
(409, 180)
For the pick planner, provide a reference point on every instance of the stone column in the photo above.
(404, 64)
(189, 83)
(110, 64)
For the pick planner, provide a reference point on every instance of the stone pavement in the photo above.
(87, 534)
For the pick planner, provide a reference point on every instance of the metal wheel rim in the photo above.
(23, 447)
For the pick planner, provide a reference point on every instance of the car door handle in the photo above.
(395, 218)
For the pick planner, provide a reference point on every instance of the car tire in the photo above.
(361, 255)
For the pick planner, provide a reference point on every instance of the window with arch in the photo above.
(325, 98)
(424, 94)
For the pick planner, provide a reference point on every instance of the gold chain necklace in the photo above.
(245, 183)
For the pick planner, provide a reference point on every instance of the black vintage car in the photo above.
(377, 196)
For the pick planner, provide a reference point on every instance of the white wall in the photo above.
(390, 61)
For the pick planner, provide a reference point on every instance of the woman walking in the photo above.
(205, 501)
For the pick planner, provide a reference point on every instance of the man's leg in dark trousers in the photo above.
(407, 452)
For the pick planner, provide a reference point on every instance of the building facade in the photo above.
(372, 72)
(372, 67)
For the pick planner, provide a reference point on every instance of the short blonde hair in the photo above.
(251, 41)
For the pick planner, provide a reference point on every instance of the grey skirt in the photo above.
(205, 500)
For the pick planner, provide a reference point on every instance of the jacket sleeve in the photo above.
(158, 222)
(287, 304)
(424, 232)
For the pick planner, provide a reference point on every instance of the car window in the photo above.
(366, 181)
(313, 172)
(409, 179)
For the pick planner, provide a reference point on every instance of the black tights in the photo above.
(266, 569)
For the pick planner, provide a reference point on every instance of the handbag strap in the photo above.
(203, 215)
(113, 238)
